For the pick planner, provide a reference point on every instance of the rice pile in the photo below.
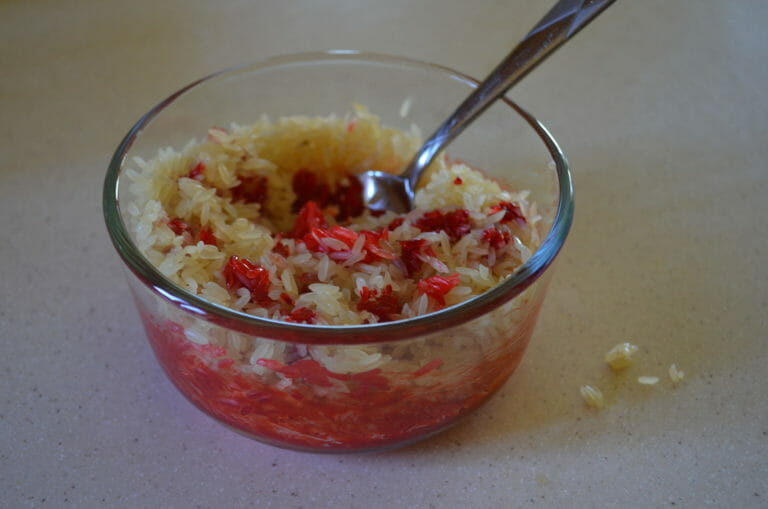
(267, 219)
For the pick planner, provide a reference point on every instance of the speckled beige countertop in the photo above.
(661, 108)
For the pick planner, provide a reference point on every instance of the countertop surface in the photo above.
(661, 109)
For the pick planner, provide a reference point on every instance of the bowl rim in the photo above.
(452, 316)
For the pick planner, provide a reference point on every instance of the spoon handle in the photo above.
(561, 23)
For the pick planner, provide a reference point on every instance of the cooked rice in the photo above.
(648, 380)
(328, 280)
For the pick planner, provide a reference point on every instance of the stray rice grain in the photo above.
(676, 374)
(620, 356)
(593, 397)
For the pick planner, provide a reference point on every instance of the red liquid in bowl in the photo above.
(373, 410)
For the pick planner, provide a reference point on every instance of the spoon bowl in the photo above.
(385, 191)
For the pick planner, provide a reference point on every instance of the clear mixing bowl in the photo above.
(345, 388)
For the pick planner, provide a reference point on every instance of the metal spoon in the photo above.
(384, 191)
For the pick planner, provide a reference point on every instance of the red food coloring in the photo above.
(196, 172)
(437, 286)
(305, 279)
(411, 253)
(214, 351)
(301, 315)
(307, 188)
(376, 213)
(239, 272)
(373, 246)
(343, 202)
(309, 217)
(367, 383)
(206, 235)
(178, 226)
(348, 197)
(431, 221)
(395, 223)
(381, 303)
(313, 243)
(273, 365)
(426, 368)
(377, 411)
(251, 189)
(347, 236)
(312, 372)
(495, 237)
(226, 363)
(513, 212)
(281, 249)
(457, 181)
(309, 371)
(315, 235)
(455, 223)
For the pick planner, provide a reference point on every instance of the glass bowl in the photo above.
(345, 388)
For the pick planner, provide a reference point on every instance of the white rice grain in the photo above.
(421, 305)
(289, 282)
(195, 335)
(324, 268)
(675, 374)
(405, 107)
(592, 396)
(620, 356)
(357, 247)
(334, 244)
(434, 263)
(244, 296)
